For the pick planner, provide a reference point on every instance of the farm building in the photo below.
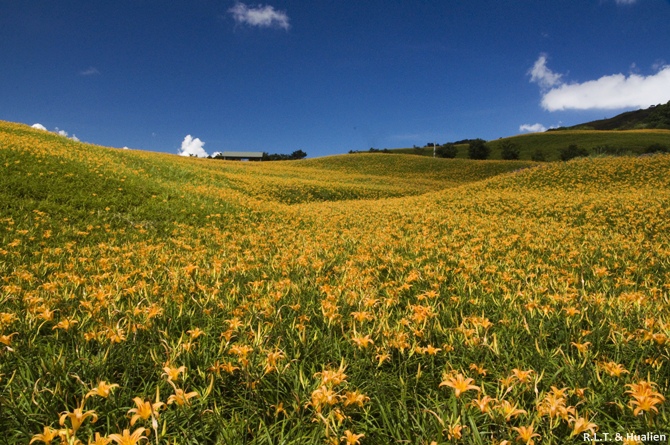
(239, 155)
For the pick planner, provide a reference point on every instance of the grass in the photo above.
(551, 142)
(315, 301)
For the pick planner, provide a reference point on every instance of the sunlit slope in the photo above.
(429, 173)
(550, 143)
(89, 172)
(547, 286)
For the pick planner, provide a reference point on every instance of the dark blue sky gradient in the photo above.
(346, 75)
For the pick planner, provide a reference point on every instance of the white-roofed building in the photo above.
(239, 155)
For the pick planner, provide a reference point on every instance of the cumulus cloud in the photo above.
(542, 75)
(611, 92)
(192, 147)
(534, 128)
(261, 16)
(58, 131)
(65, 134)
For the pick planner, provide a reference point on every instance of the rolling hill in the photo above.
(388, 298)
(655, 117)
(631, 132)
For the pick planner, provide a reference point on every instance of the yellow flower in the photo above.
(47, 435)
(363, 342)
(362, 316)
(582, 424)
(77, 417)
(144, 410)
(480, 370)
(323, 396)
(522, 376)
(645, 398)
(7, 339)
(455, 432)
(645, 403)
(333, 378)
(482, 403)
(354, 398)
(381, 358)
(350, 438)
(180, 397)
(99, 440)
(581, 347)
(273, 358)
(173, 373)
(508, 410)
(103, 389)
(526, 434)
(65, 324)
(460, 384)
(195, 333)
(129, 439)
(613, 369)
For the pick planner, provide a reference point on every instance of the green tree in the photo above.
(478, 149)
(298, 154)
(509, 150)
(573, 151)
(448, 150)
(538, 155)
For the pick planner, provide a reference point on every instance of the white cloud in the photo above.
(611, 92)
(542, 75)
(58, 131)
(261, 16)
(90, 71)
(625, 2)
(191, 146)
(535, 128)
(616, 91)
(65, 134)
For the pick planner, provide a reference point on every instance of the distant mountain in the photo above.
(654, 117)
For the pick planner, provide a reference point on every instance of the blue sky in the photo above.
(325, 76)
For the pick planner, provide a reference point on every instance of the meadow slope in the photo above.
(550, 143)
(358, 299)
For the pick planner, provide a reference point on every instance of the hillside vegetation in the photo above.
(368, 299)
(657, 117)
(550, 143)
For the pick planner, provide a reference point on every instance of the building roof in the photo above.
(242, 154)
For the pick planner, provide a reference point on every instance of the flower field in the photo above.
(361, 299)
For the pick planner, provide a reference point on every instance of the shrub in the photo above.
(573, 151)
(509, 150)
(538, 155)
(447, 151)
(608, 150)
(657, 148)
(478, 149)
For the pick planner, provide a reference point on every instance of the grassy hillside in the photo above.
(551, 142)
(653, 117)
(364, 299)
